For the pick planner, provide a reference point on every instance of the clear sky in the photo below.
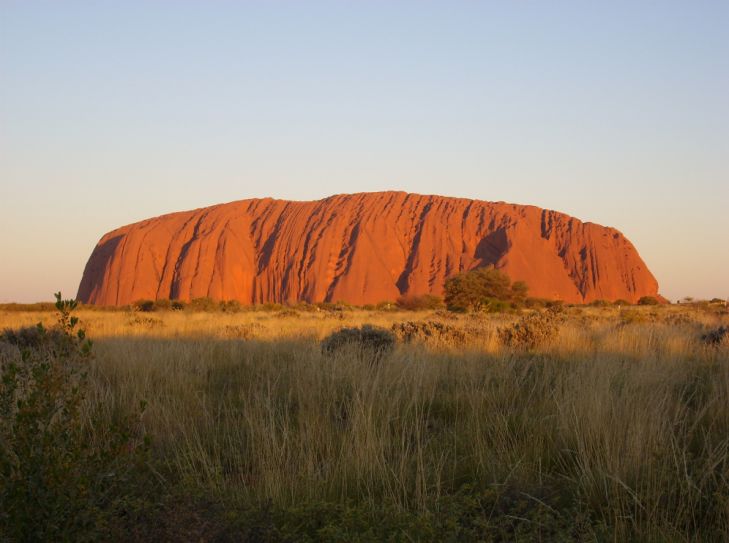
(112, 112)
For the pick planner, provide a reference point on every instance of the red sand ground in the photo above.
(360, 248)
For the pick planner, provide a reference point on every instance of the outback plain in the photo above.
(220, 422)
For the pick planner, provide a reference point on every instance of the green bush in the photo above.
(64, 475)
(484, 289)
(369, 343)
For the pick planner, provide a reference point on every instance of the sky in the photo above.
(113, 112)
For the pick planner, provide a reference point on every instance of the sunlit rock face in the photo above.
(359, 248)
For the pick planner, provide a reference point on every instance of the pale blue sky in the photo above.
(112, 112)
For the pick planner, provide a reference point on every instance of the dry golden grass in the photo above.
(622, 419)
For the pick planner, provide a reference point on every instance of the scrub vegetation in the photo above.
(600, 423)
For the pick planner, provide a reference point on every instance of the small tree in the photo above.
(483, 289)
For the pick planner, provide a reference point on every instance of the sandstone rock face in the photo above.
(359, 248)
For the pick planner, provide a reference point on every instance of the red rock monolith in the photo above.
(359, 248)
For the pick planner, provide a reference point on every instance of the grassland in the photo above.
(617, 429)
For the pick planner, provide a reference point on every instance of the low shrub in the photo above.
(370, 343)
(648, 300)
(331, 306)
(632, 316)
(429, 332)
(716, 337)
(536, 303)
(144, 305)
(420, 303)
(636, 316)
(532, 330)
(230, 306)
(202, 304)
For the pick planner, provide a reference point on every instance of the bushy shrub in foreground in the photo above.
(62, 478)
(369, 343)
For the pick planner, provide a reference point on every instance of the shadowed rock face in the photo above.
(360, 248)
